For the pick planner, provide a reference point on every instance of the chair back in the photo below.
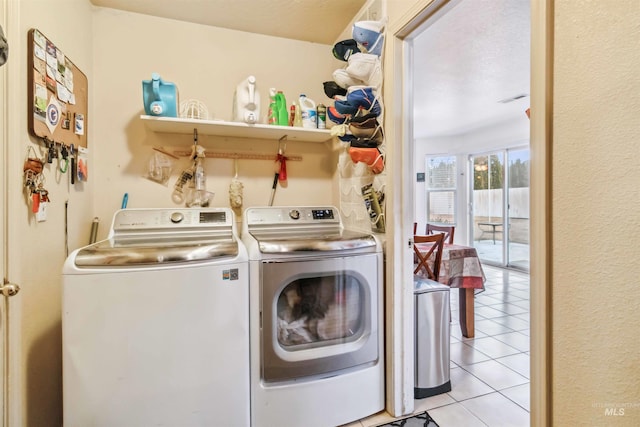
(428, 253)
(415, 228)
(448, 231)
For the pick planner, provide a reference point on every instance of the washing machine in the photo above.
(315, 318)
(155, 323)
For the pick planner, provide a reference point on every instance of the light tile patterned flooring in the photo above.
(490, 372)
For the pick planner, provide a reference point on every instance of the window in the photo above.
(441, 189)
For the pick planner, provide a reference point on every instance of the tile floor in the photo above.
(490, 372)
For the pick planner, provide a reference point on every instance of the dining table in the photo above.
(460, 268)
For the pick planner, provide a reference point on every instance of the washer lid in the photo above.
(163, 236)
(110, 253)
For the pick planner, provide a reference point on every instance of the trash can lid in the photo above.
(422, 285)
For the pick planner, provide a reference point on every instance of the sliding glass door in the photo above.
(518, 208)
(499, 214)
(487, 198)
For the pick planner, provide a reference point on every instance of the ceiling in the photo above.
(465, 62)
(318, 21)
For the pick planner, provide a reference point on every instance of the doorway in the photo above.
(404, 31)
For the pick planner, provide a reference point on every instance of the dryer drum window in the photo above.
(317, 311)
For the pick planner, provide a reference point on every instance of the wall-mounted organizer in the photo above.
(58, 94)
(358, 117)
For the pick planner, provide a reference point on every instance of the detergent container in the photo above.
(281, 107)
(246, 102)
(308, 112)
(272, 114)
(160, 98)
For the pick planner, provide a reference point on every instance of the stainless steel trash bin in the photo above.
(431, 338)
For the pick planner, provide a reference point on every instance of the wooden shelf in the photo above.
(234, 129)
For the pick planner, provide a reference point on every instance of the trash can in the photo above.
(432, 338)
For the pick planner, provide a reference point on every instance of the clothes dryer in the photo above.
(155, 323)
(315, 318)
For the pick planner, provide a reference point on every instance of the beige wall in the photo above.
(595, 203)
(205, 63)
(37, 250)
(594, 279)
(116, 51)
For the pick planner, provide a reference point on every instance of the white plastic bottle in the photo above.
(308, 112)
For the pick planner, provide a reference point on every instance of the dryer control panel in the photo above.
(283, 216)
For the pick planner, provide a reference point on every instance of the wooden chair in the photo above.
(448, 231)
(435, 251)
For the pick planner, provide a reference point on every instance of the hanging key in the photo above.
(44, 195)
(51, 152)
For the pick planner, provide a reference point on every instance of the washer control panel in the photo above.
(144, 219)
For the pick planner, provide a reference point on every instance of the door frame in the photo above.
(3, 249)
(10, 194)
(399, 258)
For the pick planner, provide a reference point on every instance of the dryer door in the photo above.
(319, 316)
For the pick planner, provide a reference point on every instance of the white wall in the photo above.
(205, 63)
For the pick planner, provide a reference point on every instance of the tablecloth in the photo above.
(460, 266)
